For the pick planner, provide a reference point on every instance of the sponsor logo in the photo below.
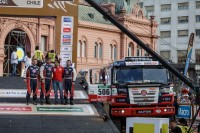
(144, 111)
(15, 108)
(67, 20)
(33, 71)
(184, 111)
(66, 29)
(60, 109)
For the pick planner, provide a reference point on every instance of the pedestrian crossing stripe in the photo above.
(21, 93)
(72, 110)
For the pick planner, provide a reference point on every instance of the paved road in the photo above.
(37, 122)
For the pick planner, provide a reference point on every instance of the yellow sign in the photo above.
(165, 128)
(20, 54)
(143, 128)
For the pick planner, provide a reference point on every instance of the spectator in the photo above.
(27, 60)
(38, 55)
(57, 81)
(52, 55)
(185, 99)
(14, 62)
(174, 127)
(183, 125)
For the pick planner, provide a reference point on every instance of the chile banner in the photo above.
(189, 53)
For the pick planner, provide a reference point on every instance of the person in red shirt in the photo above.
(57, 82)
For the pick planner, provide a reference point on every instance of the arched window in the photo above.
(100, 51)
(79, 49)
(130, 49)
(140, 14)
(115, 52)
(83, 49)
(111, 52)
(139, 51)
(95, 50)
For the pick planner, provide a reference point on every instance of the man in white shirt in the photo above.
(14, 62)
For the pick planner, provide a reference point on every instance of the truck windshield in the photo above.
(140, 75)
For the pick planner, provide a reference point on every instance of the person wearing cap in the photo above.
(185, 99)
(46, 73)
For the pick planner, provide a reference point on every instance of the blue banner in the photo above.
(184, 111)
(189, 53)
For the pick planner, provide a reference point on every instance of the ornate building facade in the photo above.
(26, 33)
(100, 42)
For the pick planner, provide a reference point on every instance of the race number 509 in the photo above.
(104, 92)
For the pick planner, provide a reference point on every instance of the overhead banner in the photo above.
(22, 3)
(189, 53)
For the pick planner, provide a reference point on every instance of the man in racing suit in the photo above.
(46, 71)
(31, 76)
(70, 77)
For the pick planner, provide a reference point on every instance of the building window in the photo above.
(139, 51)
(140, 14)
(183, 6)
(166, 7)
(98, 50)
(182, 56)
(115, 52)
(197, 18)
(130, 49)
(197, 54)
(95, 50)
(165, 20)
(83, 48)
(183, 19)
(198, 32)
(182, 33)
(149, 9)
(43, 43)
(166, 54)
(165, 34)
(79, 49)
(197, 4)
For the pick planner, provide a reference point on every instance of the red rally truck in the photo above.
(133, 86)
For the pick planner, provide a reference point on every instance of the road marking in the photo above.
(72, 110)
(21, 93)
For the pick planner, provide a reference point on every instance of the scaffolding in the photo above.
(14, 39)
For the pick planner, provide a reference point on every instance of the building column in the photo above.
(39, 33)
(2, 55)
(51, 44)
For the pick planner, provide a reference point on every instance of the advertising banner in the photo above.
(184, 111)
(22, 3)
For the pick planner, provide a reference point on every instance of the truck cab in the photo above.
(136, 86)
